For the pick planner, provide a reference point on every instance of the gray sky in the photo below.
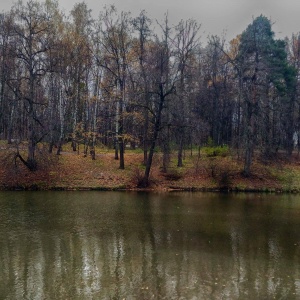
(215, 16)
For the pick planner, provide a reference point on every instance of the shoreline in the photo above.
(74, 172)
(154, 190)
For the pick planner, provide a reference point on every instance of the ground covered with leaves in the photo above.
(73, 171)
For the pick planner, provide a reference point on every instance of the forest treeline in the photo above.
(128, 80)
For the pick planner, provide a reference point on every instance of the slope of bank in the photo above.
(73, 171)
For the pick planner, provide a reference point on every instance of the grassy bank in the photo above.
(211, 171)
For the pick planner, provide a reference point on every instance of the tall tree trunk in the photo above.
(166, 153)
(31, 161)
(290, 125)
(249, 126)
(180, 151)
(145, 129)
(145, 181)
(62, 123)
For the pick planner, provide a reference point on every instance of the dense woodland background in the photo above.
(125, 80)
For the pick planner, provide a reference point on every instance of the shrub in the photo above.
(138, 179)
(221, 170)
(216, 151)
(224, 180)
(172, 175)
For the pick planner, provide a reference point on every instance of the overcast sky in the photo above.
(215, 16)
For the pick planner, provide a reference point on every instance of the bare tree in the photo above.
(186, 42)
(163, 83)
(142, 25)
(32, 44)
(116, 45)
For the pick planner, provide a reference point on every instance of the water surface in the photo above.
(110, 245)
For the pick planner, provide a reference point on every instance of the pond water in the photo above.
(111, 245)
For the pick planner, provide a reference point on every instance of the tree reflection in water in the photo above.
(92, 245)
